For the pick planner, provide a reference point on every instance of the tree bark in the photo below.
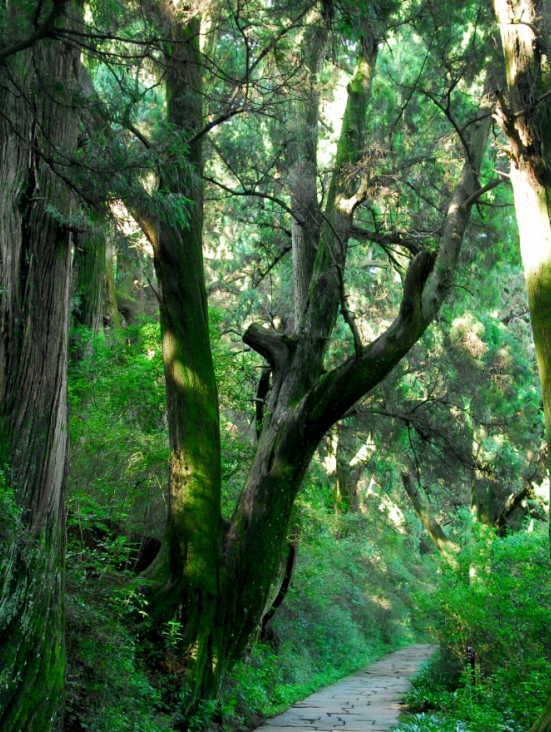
(89, 267)
(188, 571)
(302, 180)
(443, 543)
(37, 125)
(346, 475)
(527, 123)
(526, 120)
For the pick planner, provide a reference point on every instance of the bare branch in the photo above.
(481, 191)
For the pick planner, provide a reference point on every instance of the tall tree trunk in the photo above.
(302, 182)
(89, 279)
(37, 125)
(347, 476)
(189, 568)
(110, 307)
(442, 542)
(526, 120)
(88, 288)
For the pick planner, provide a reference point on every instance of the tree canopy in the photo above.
(260, 264)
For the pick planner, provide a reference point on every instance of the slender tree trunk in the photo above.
(526, 120)
(111, 311)
(88, 288)
(302, 180)
(443, 543)
(89, 278)
(37, 123)
(188, 571)
(347, 476)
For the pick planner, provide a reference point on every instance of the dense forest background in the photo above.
(274, 367)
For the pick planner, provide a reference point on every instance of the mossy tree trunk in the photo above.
(217, 579)
(189, 568)
(37, 127)
(525, 117)
(89, 279)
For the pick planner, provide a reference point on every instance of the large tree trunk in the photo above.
(37, 125)
(526, 119)
(214, 579)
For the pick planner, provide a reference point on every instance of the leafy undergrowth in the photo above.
(350, 603)
(497, 601)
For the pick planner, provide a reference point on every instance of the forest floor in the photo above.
(369, 699)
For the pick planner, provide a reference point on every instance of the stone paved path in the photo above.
(367, 701)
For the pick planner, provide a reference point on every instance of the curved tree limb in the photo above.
(514, 500)
(444, 544)
(268, 344)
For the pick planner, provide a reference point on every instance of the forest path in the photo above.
(368, 700)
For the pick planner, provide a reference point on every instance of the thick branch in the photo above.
(340, 389)
(513, 502)
(473, 198)
(444, 544)
(268, 344)
(394, 237)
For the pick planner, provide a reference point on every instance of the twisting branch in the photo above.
(513, 502)
(265, 341)
(444, 544)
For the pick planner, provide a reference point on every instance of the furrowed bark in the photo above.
(528, 127)
(89, 279)
(443, 543)
(302, 181)
(35, 271)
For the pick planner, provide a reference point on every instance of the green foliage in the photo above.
(496, 601)
(10, 513)
(431, 723)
